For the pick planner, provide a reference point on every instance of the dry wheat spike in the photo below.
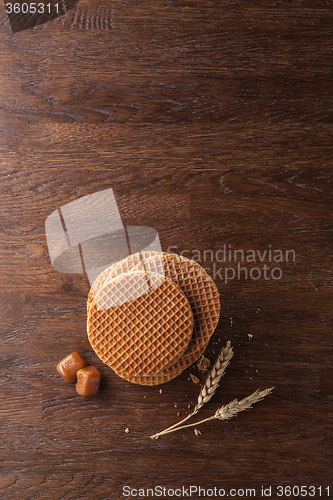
(214, 377)
(228, 411)
(209, 389)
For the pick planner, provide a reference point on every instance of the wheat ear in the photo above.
(209, 389)
(214, 377)
(230, 410)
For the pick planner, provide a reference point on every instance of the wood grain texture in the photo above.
(212, 122)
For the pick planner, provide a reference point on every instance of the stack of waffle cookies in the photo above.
(151, 315)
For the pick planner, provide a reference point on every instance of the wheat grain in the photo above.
(230, 410)
(225, 412)
(214, 377)
(211, 384)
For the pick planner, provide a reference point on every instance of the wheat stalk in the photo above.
(228, 411)
(209, 389)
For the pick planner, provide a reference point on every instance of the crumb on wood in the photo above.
(127, 430)
(176, 406)
(250, 335)
(188, 406)
(161, 390)
(178, 414)
(197, 432)
(203, 364)
(200, 360)
(206, 363)
(194, 378)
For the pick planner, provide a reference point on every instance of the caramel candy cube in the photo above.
(68, 367)
(88, 379)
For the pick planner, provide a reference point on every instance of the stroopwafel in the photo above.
(139, 323)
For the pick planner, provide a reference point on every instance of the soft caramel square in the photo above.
(70, 365)
(88, 380)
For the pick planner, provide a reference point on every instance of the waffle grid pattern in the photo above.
(143, 336)
(198, 287)
(168, 374)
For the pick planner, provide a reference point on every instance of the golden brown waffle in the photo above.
(139, 323)
(123, 266)
(198, 287)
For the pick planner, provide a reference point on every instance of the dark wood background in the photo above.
(212, 122)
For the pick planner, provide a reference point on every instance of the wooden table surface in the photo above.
(212, 123)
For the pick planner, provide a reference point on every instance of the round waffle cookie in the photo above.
(139, 323)
(205, 304)
(193, 280)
